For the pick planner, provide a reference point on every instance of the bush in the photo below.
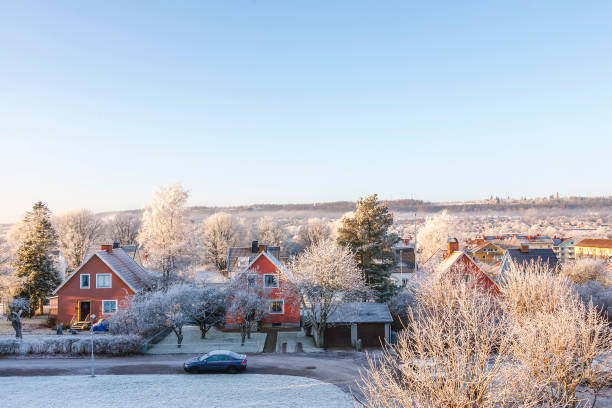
(586, 269)
(73, 345)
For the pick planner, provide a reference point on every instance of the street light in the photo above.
(93, 316)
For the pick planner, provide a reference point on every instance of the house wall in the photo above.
(286, 291)
(490, 254)
(594, 252)
(466, 265)
(71, 293)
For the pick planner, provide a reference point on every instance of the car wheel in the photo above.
(232, 370)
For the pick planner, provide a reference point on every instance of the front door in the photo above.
(84, 310)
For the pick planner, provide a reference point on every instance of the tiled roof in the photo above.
(246, 252)
(544, 255)
(595, 243)
(129, 249)
(124, 267)
(360, 312)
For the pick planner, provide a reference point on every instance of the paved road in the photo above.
(339, 368)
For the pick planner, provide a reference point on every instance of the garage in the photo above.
(366, 321)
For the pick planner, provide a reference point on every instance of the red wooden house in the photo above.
(98, 286)
(463, 266)
(268, 278)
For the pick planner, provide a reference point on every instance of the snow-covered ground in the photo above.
(207, 390)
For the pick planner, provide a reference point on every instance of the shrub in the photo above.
(73, 345)
(586, 269)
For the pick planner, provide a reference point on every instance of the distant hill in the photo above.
(337, 208)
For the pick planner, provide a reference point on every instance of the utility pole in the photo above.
(416, 266)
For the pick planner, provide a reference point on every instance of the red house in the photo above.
(98, 286)
(462, 266)
(268, 278)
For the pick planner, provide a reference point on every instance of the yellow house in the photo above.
(488, 253)
(597, 248)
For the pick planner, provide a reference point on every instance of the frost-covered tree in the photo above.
(221, 231)
(9, 281)
(434, 233)
(326, 275)
(400, 307)
(17, 308)
(172, 308)
(207, 307)
(124, 228)
(270, 232)
(314, 231)
(586, 269)
(78, 230)
(248, 308)
(163, 232)
(367, 235)
(35, 264)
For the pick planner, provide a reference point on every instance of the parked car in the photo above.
(218, 360)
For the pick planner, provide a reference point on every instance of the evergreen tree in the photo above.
(366, 233)
(34, 258)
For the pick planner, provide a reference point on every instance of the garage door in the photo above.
(338, 336)
(371, 334)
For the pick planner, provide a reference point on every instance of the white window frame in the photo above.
(88, 281)
(110, 300)
(104, 274)
(277, 300)
(266, 281)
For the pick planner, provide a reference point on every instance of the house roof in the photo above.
(544, 255)
(246, 252)
(360, 312)
(274, 262)
(595, 243)
(129, 249)
(122, 265)
(452, 259)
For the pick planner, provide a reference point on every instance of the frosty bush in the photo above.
(536, 344)
(104, 345)
(586, 269)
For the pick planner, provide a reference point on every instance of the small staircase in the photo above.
(80, 325)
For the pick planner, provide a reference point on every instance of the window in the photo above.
(103, 280)
(109, 306)
(277, 306)
(271, 281)
(85, 281)
(251, 280)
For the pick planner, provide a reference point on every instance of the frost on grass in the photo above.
(221, 390)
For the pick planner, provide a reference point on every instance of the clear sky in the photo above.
(302, 101)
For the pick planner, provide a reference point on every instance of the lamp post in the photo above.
(93, 316)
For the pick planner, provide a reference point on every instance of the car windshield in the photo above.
(234, 355)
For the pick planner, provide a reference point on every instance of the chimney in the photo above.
(116, 245)
(262, 248)
(254, 247)
(107, 248)
(524, 247)
(452, 245)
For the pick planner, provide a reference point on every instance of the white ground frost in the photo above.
(206, 390)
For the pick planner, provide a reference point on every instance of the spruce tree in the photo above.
(34, 258)
(366, 233)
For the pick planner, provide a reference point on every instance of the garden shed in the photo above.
(370, 322)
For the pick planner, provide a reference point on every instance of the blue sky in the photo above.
(301, 101)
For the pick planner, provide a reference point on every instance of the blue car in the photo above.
(218, 360)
